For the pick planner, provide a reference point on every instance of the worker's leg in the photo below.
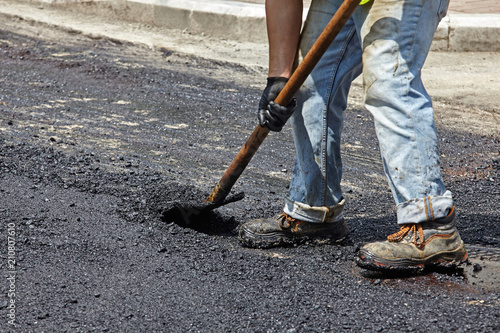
(396, 37)
(315, 193)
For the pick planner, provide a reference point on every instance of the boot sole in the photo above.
(252, 239)
(447, 260)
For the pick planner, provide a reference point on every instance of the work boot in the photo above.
(416, 246)
(285, 230)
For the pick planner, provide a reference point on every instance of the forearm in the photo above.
(284, 20)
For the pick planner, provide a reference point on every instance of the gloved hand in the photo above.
(273, 115)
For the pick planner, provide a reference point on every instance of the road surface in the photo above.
(97, 136)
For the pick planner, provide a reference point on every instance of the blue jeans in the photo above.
(387, 42)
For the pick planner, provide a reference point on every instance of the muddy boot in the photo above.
(285, 230)
(416, 246)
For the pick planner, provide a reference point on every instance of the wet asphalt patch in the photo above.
(481, 271)
(483, 268)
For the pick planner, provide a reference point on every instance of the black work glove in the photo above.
(272, 115)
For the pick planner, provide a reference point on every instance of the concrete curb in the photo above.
(474, 32)
(246, 21)
(224, 19)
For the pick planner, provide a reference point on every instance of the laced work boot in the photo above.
(415, 246)
(285, 230)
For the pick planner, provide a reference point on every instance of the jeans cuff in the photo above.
(424, 209)
(323, 214)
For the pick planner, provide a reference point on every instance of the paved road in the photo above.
(98, 135)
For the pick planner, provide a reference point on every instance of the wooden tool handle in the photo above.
(298, 77)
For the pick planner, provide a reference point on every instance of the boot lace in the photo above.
(286, 221)
(415, 228)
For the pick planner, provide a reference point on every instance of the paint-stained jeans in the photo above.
(387, 41)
